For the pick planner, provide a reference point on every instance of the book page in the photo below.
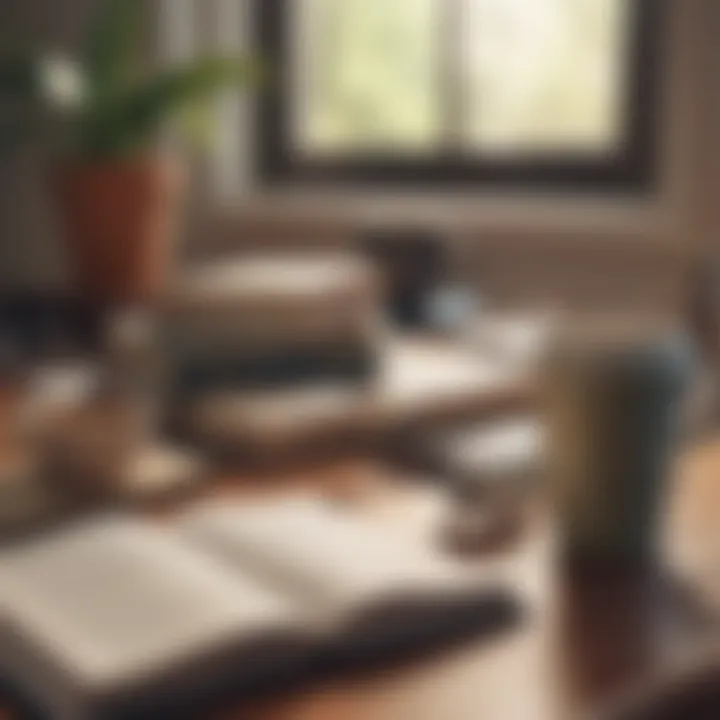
(332, 560)
(109, 605)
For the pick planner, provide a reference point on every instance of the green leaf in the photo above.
(111, 46)
(197, 125)
(141, 113)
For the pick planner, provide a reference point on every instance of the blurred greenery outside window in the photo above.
(492, 77)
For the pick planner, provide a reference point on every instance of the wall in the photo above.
(598, 250)
(29, 253)
(624, 251)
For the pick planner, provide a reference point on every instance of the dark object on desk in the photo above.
(703, 325)
(414, 264)
(34, 326)
(193, 376)
(704, 311)
(478, 528)
(693, 694)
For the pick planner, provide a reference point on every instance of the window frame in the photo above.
(633, 169)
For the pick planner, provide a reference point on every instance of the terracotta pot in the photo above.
(119, 220)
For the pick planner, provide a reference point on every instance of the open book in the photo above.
(360, 587)
(117, 617)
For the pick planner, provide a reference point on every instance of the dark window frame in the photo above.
(633, 169)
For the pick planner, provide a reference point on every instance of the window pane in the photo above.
(367, 76)
(545, 75)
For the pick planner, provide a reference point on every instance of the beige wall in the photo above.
(598, 250)
(28, 247)
(30, 254)
(590, 250)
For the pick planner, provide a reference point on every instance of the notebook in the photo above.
(361, 586)
(118, 617)
(114, 617)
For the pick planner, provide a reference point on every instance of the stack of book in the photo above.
(272, 320)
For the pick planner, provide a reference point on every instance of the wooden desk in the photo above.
(588, 637)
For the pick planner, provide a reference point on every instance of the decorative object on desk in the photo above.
(158, 473)
(93, 429)
(493, 471)
(30, 496)
(132, 359)
(613, 392)
(118, 221)
(452, 309)
(517, 339)
(24, 501)
(103, 452)
(414, 264)
(79, 427)
(703, 319)
(488, 459)
(54, 389)
(85, 449)
(118, 197)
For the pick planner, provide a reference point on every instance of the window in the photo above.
(556, 92)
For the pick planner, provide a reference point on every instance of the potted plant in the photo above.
(117, 193)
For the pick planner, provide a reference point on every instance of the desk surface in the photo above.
(590, 636)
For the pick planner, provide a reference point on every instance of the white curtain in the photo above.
(192, 27)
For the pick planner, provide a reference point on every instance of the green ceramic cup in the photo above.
(613, 399)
